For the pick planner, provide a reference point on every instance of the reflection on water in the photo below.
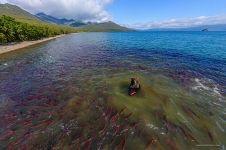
(71, 93)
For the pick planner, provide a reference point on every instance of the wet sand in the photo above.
(17, 46)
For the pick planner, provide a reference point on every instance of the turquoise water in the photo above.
(72, 92)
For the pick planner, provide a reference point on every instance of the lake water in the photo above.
(71, 92)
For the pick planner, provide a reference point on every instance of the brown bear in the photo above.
(134, 87)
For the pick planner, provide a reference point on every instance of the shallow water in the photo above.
(72, 92)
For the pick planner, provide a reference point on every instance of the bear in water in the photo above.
(134, 87)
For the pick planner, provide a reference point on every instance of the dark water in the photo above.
(71, 93)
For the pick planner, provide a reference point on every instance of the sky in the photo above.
(140, 14)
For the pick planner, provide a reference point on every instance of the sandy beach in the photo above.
(13, 47)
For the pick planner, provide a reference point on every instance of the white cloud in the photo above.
(2, 1)
(181, 23)
(86, 10)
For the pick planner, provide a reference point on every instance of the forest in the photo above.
(15, 31)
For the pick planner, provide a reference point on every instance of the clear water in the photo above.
(71, 92)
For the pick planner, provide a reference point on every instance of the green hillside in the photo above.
(26, 17)
(17, 25)
(104, 27)
(18, 13)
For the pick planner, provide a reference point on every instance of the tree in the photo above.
(13, 31)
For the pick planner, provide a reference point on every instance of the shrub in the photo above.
(2, 38)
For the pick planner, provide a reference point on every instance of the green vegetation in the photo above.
(12, 30)
(17, 24)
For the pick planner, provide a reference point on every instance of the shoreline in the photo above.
(20, 45)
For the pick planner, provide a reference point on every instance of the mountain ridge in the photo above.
(85, 26)
(101, 27)
(47, 18)
(22, 15)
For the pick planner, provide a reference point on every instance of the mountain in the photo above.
(18, 13)
(103, 27)
(218, 27)
(78, 24)
(89, 26)
(41, 18)
(51, 19)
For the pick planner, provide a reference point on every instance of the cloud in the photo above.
(85, 10)
(181, 23)
(3, 1)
